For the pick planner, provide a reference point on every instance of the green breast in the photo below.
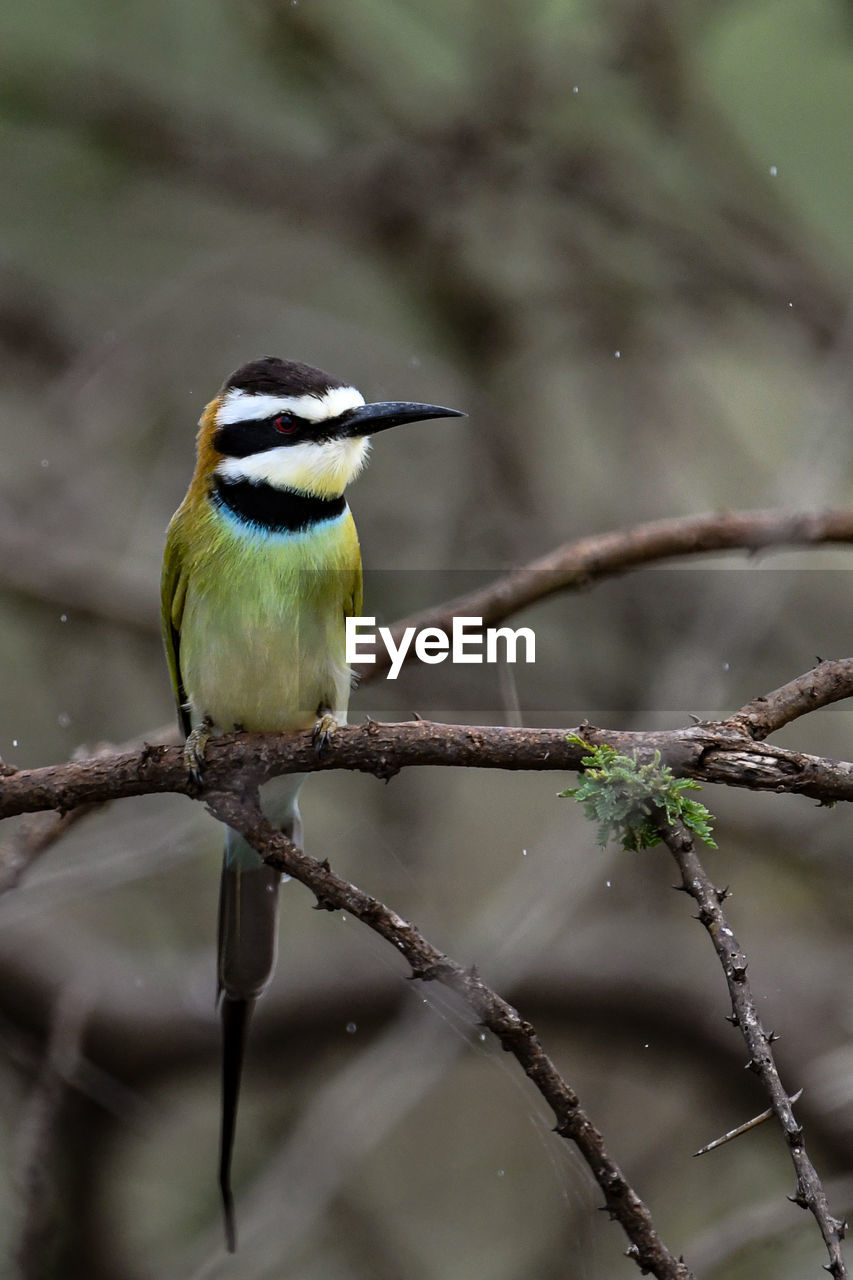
(262, 636)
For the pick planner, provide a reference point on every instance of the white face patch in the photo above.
(320, 467)
(243, 406)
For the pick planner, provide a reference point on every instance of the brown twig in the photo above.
(714, 752)
(695, 881)
(828, 682)
(516, 1035)
(579, 564)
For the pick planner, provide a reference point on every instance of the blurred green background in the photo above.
(617, 233)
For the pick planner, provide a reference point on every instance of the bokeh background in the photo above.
(617, 233)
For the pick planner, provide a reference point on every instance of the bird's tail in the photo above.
(235, 1024)
(248, 931)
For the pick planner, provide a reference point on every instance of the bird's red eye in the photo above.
(284, 423)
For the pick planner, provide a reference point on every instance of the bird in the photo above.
(261, 568)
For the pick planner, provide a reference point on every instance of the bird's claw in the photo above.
(323, 731)
(194, 749)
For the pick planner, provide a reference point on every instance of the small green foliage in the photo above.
(623, 796)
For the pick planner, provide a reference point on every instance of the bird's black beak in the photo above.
(368, 419)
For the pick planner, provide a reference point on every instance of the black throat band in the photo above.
(274, 510)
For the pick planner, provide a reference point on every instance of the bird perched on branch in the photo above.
(261, 569)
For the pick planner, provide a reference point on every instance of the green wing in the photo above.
(173, 592)
(352, 607)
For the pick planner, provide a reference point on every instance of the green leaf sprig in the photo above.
(626, 797)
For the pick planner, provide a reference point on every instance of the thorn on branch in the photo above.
(743, 1128)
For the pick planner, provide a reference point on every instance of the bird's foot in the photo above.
(194, 749)
(323, 730)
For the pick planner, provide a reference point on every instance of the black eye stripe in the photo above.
(255, 435)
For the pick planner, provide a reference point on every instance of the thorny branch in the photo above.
(724, 751)
(516, 1035)
(696, 882)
